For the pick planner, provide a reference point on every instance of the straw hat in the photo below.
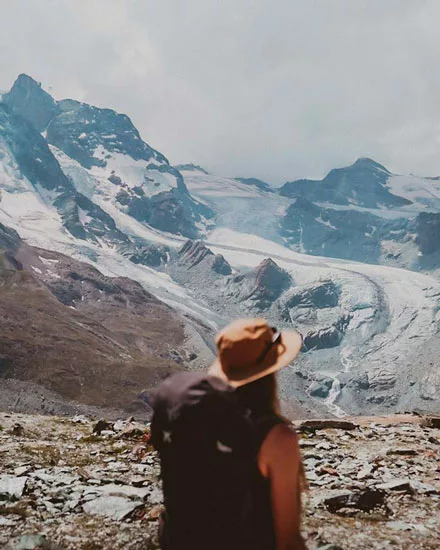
(249, 349)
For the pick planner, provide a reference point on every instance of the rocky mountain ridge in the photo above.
(91, 189)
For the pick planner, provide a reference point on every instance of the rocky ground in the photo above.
(78, 484)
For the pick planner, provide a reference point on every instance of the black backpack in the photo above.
(208, 445)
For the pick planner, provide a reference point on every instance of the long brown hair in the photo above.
(261, 397)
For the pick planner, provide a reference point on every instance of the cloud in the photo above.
(276, 90)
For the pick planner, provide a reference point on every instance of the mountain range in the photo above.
(131, 264)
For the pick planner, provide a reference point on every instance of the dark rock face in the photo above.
(9, 239)
(151, 255)
(100, 225)
(323, 338)
(194, 253)
(31, 152)
(27, 99)
(316, 389)
(347, 234)
(320, 295)
(78, 129)
(270, 281)
(428, 232)
(137, 206)
(363, 184)
(168, 213)
(315, 308)
(221, 266)
(113, 178)
(362, 236)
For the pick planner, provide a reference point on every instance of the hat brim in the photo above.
(283, 352)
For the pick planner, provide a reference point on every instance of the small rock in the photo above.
(400, 525)
(155, 512)
(113, 507)
(119, 490)
(426, 488)
(348, 512)
(119, 425)
(326, 446)
(21, 470)
(311, 455)
(101, 426)
(329, 423)
(365, 500)
(139, 481)
(94, 482)
(17, 430)
(396, 485)
(11, 487)
(402, 452)
(431, 421)
(365, 472)
(327, 470)
(132, 432)
(80, 419)
(303, 443)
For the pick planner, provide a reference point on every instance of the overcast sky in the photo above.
(276, 89)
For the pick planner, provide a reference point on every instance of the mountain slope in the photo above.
(348, 234)
(70, 330)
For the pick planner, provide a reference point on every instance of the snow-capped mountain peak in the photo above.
(28, 99)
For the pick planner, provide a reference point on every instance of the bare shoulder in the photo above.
(280, 445)
(283, 433)
(281, 438)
